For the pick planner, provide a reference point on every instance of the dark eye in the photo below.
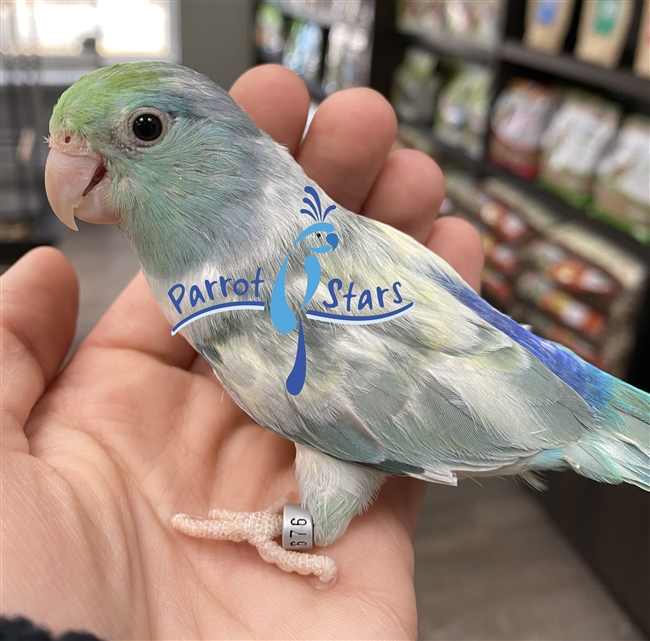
(147, 127)
(318, 235)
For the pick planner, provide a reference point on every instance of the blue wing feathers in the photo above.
(590, 383)
(618, 448)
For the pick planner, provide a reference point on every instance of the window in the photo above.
(122, 29)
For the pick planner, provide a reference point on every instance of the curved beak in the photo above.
(77, 183)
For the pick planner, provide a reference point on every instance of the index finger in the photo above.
(277, 101)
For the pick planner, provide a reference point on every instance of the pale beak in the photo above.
(77, 183)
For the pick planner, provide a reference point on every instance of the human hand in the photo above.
(136, 428)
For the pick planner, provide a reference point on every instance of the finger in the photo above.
(40, 299)
(407, 193)
(347, 143)
(277, 100)
(135, 322)
(457, 241)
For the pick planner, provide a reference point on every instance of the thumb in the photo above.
(39, 299)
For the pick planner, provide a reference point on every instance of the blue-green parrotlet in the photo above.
(333, 330)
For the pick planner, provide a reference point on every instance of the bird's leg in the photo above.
(259, 529)
(334, 491)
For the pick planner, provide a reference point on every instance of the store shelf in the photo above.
(510, 60)
(618, 82)
(482, 168)
(449, 46)
(568, 211)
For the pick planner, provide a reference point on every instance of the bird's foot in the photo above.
(259, 529)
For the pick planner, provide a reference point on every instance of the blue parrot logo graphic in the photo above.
(283, 318)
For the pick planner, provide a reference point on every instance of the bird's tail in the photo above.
(618, 450)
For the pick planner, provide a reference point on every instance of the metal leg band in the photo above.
(297, 528)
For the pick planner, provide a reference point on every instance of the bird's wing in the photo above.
(440, 389)
(435, 392)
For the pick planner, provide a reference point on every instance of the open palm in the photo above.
(97, 458)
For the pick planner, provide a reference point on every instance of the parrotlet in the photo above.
(335, 331)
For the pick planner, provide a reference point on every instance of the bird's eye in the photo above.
(318, 235)
(147, 127)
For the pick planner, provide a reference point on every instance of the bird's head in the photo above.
(126, 137)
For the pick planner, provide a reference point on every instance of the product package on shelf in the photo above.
(621, 192)
(537, 216)
(642, 56)
(544, 294)
(497, 289)
(628, 272)
(269, 30)
(478, 23)
(347, 63)
(520, 116)
(603, 29)
(578, 136)
(415, 85)
(329, 11)
(424, 17)
(463, 107)
(304, 49)
(502, 222)
(571, 285)
(505, 258)
(581, 279)
(547, 24)
(502, 231)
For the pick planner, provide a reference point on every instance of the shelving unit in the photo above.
(450, 46)
(620, 83)
(511, 58)
(29, 90)
(291, 12)
(607, 524)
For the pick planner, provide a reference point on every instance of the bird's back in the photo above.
(448, 387)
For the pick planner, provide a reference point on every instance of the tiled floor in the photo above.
(489, 563)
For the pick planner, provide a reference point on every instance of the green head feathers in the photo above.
(94, 105)
(202, 167)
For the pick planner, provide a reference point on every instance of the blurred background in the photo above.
(538, 113)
